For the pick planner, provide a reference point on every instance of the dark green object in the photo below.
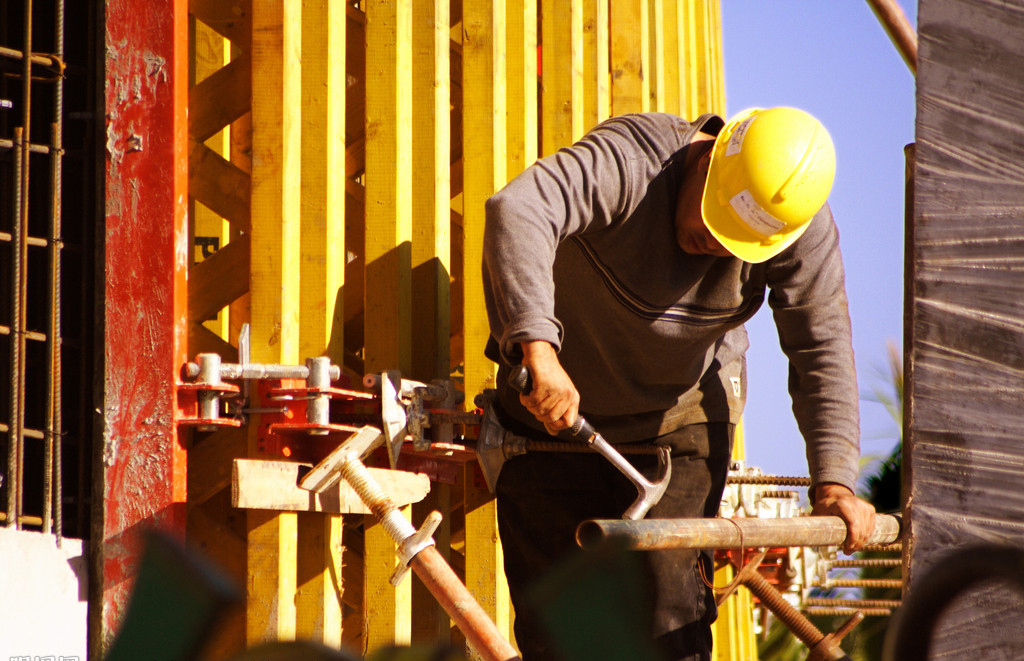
(593, 607)
(177, 602)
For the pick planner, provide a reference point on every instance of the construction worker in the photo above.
(620, 271)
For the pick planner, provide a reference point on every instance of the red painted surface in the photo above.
(143, 462)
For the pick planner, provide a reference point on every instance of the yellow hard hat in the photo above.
(771, 171)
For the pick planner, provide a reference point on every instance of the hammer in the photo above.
(649, 492)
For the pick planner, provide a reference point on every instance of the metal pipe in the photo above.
(656, 534)
(899, 29)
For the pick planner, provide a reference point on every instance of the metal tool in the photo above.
(581, 430)
(415, 547)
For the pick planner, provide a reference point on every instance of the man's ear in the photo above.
(705, 161)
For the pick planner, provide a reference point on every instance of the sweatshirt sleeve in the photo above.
(808, 300)
(579, 188)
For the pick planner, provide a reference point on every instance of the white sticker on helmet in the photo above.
(736, 139)
(756, 218)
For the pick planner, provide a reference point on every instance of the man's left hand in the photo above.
(837, 500)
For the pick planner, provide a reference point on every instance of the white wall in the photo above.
(43, 593)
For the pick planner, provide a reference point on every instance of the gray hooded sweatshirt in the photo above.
(580, 251)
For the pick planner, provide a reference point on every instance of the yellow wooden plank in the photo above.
(274, 287)
(388, 297)
(431, 624)
(485, 575)
(561, 74)
(318, 578)
(630, 56)
(673, 56)
(715, 62)
(387, 610)
(656, 35)
(596, 91)
(705, 73)
(388, 290)
(323, 178)
(431, 181)
(484, 104)
(521, 40)
(270, 593)
(689, 69)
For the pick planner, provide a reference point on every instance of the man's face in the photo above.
(691, 233)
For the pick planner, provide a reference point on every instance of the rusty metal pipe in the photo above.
(657, 534)
(852, 603)
(481, 632)
(899, 29)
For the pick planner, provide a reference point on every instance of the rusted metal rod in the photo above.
(770, 480)
(852, 603)
(844, 612)
(656, 534)
(867, 562)
(899, 29)
(880, 583)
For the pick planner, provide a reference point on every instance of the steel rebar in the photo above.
(852, 603)
(55, 426)
(719, 533)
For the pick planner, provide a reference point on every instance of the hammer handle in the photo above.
(521, 381)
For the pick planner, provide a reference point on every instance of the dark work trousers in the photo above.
(543, 496)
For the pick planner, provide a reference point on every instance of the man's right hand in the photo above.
(554, 400)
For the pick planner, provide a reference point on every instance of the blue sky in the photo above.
(834, 60)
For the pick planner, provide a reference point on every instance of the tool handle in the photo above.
(521, 381)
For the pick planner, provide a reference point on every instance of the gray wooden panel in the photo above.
(965, 331)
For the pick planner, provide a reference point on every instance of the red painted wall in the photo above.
(142, 468)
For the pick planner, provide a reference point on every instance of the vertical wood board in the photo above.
(966, 333)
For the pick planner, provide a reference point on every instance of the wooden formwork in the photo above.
(339, 158)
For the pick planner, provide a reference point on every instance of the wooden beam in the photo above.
(521, 131)
(561, 75)
(484, 108)
(318, 605)
(630, 62)
(274, 288)
(690, 68)
(210, 462)
(219, 279)
(232, 19)
(273, 485)
(387, 609)
(964, 353)
(673, 57)
(219, 185)
(431, 191)
(323, 177)
(485, 575)
(656, 75)
(596, 92)
(220, 99)
(388, 297)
